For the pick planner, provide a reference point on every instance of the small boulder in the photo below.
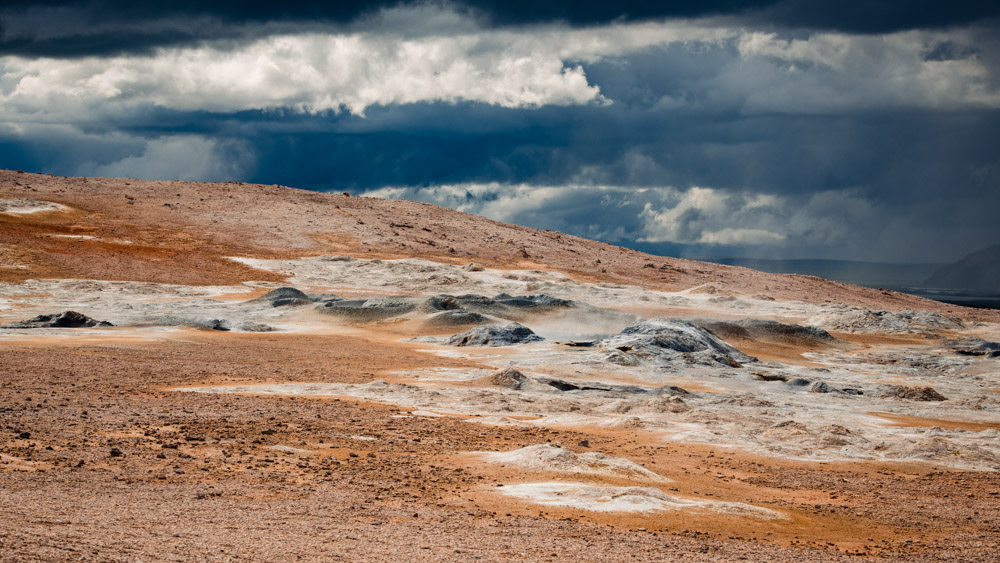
(508, 378)
(922, 393)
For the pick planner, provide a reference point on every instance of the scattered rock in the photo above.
(115, 452)
(860, 320)
(913, 393)
(508, 378)
(69, 319)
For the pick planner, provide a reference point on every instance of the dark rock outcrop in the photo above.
(913, 393)
(495, 335)
(665, 341)
(69, 319)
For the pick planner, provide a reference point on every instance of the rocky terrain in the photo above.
(229, 371)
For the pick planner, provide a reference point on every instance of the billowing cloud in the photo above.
(700, 218)
(458, 61)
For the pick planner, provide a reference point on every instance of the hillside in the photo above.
(183, 232)
(979, 272)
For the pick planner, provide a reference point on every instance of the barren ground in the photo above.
(334, 438)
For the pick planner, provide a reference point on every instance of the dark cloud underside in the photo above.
(102, 27)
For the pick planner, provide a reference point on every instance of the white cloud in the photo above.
(834, 72)
(741, 237)
(447, 57)
(693, 216)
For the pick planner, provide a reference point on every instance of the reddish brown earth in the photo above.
(182, 231)
(197, 477)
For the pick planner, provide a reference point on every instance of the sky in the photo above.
(769, 129)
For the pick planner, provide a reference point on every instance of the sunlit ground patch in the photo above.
(549, 457)
(25, 206)
(600, 498)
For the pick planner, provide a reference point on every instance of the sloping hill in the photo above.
(184, 232)
(979, 272)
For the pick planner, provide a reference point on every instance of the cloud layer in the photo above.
(457, 61)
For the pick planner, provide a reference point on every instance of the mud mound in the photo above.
(910, 321)
(508, 378)
(284, 296)
(551, 457)
(813, 386)
(665, 341)
(69, 319)
(208, 324)
(503, 305)
(373, 309)
(495, 335)
(768, 331)
(456, 318)
(254, 327)
(913, 393)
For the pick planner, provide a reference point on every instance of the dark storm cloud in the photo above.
(108, 27)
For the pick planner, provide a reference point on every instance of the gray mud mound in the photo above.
(207, 324)
(495, 335)
(860, 320)
(69, 319)
(666, 341)
(508, 378)
(502, 306)
(456, 318)
(913, 393)
(284, 296)
(768, 331)
(373, 309)
(254, 327)
(442, 310)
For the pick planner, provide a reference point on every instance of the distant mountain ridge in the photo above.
(869, 274)
(979, 271)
